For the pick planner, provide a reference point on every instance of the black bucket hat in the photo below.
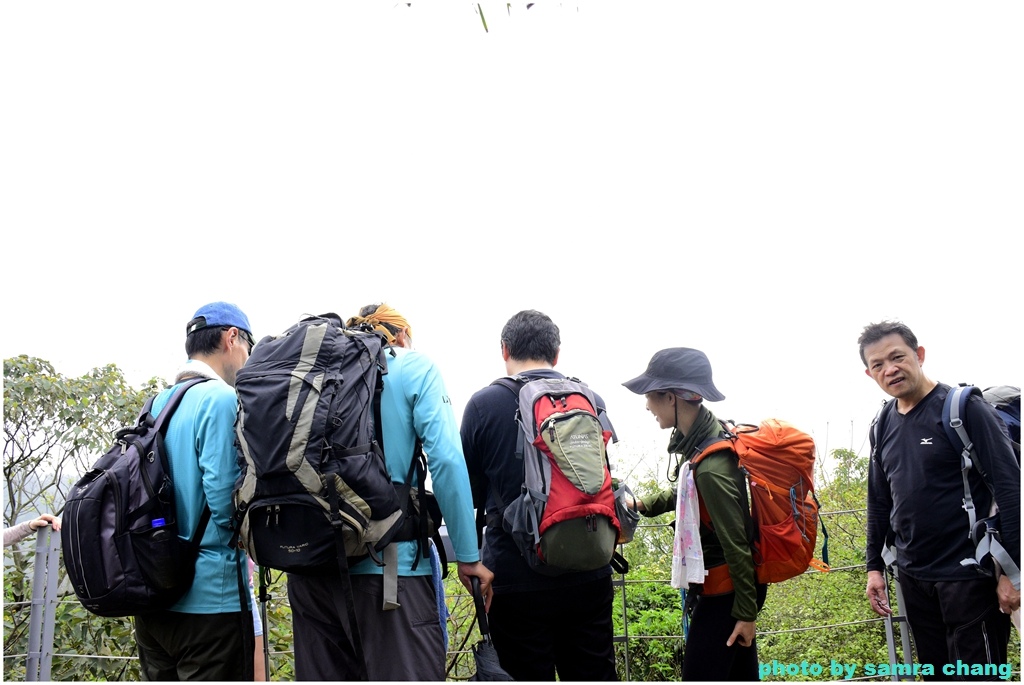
(677, 369)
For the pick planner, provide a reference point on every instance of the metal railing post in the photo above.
(891, 622)
(49, 604)
(624, 638)
(35, 621)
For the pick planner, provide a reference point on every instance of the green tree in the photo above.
(54, 428)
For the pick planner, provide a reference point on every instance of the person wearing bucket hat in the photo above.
(208, 634)
(722, 605)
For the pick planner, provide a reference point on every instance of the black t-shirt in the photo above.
(915, 488)
(489, 432)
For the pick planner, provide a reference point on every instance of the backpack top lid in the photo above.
(1006, 399)
(774, 452)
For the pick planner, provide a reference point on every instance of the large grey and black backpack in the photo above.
(314, 494)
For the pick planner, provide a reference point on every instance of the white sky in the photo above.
(758, 180)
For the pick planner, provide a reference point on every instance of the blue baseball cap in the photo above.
(218, 314)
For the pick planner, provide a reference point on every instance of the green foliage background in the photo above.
(56, 426)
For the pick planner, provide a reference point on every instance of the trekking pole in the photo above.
(893, 619)
(264, 574)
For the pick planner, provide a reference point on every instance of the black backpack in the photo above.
(119, 529)
(314, 492)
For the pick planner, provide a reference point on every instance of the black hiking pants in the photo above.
(567, 630)
(707, 657)
(956, 625)
(174, 646)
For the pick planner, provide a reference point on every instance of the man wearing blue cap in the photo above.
(723, 602)
(208, 633)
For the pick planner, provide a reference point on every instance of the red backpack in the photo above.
(564, 519)
(778, 461)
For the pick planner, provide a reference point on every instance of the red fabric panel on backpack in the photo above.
(565, 501)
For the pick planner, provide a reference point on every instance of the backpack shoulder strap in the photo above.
(716, 443)
(875, 437)
(513, 383)
(877, 425)
(164, 418)
(954, 410)
(160, 425)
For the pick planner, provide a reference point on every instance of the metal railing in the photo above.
(42, 620)
(47, 567)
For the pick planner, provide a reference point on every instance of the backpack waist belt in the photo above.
(717, 581)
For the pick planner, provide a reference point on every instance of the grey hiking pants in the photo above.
(403, 644)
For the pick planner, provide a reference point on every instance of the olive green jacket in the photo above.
(722, 489)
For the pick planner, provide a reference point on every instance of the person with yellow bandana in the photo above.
(403, 642)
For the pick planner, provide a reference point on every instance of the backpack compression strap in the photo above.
(346, 582)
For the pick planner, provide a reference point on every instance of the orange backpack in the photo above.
(778, 461)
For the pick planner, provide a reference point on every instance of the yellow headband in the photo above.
(384, 314)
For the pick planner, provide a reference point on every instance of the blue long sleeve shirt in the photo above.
(415, 403)
(200, 444)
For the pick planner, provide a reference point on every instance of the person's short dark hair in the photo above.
(874, 332)
(204, 341)
(531, 335)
